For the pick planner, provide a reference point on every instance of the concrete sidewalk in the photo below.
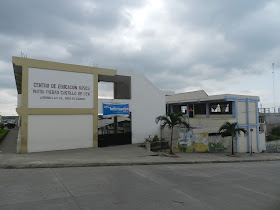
(9, 143)
(120, 155)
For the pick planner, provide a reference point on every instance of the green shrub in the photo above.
(157, 146)
(153, 139)
(149, 139)
(11, 125)
(275, 131)
(156, 138)
(271, 137)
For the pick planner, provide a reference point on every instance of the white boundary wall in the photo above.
(59, 132)
(56, 89)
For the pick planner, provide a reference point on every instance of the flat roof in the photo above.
(19, 62)
(201, 96)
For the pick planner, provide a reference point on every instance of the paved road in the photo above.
(202, 186)
(9, 143)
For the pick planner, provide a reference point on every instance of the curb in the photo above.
(5, 134)
(68, 165)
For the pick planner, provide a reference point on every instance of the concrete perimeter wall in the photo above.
(273, 146)
(45, 132)
(194, 141)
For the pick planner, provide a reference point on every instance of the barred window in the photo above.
(221, 108)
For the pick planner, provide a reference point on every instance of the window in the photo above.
(184, 109)
(200, 108)
(214, 134)
(221, 108)
(261, 120)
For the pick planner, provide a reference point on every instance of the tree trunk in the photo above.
(232, 147)
(171, 152)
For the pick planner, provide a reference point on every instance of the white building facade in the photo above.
(146, 102)
(208, 113)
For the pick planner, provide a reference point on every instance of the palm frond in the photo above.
(241, 130)
(185, 124)
(230, 129)
(172, 119)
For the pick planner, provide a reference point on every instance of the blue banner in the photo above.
(111, 110)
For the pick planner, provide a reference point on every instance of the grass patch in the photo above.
(2, 132)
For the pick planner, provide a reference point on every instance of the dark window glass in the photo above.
(177, 108)
(200, 109)
(214, 134)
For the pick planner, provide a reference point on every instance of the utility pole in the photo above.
(273, 87)
(251, 129)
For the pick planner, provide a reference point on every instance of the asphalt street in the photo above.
(198, 186)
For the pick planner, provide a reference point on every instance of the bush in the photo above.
(275, 131)
(154, 139)
(157, 146)
(271, 137)
(11, 125)
(157, 143)
(149, 139)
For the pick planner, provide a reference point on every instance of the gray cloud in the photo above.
(60, 19)
(179, 45)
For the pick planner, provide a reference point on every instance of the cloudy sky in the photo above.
(215, 45)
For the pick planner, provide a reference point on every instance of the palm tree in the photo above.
(231, 129)
(172, 119)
